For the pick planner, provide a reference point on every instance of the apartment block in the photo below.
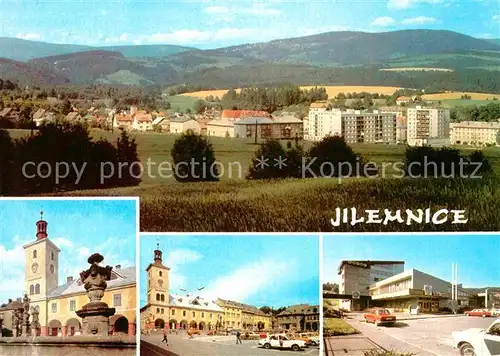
(428, 126)
(474, 132)
(322, 121)
(363, 127)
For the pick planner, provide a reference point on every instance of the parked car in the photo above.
(313, 339)
(281, 342)
(193, 331)
(380, 316)
(478, 342)
(211, 332)
(304, 338)
(479, 312)
(495, 312)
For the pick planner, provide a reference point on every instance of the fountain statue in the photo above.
(35, 324)
(26, 316)
(95, 314)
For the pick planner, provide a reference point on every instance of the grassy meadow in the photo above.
(297, 204)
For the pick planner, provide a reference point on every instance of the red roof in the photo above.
(236, 114)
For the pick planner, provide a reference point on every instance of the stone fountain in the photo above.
(95, 314)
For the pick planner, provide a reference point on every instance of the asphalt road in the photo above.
(181, 345)
(426, 337)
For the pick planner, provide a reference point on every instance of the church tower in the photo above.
(158, 287)
(41, 263)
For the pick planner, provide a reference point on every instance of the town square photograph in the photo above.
(229, 294)
(68, 281)
(419, 294)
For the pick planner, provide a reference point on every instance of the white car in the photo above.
(281, 342)
(495, 312)
(478, 342)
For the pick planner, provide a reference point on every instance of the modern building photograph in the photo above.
(420, 290)
(229, 294)
(68, 275)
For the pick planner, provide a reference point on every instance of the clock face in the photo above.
(160, 282)
(34, 267)
(51, 268)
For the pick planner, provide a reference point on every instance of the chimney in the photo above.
(118, 266)
(69, 279)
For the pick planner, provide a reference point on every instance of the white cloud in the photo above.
(496, 18)
(117, 39)
(189, 37)
(12, 270)
(420, 20)
(383, 21)
(252, 279)
(177, 258)
(62, 242)
(404, 4)
(29, 36)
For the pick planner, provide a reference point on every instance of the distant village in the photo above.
(407, 122)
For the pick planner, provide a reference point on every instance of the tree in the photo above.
(332, 157)
(7, 152)
(194, 159)
(331, 287)
(128, 157)
(200, 106)
(66, 107)
(265, 309)
(265, 162)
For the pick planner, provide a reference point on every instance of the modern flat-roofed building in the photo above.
(474, 132)
(322, 121)
(416, 289)
(357, 276)
(428, 126)
(365, 127)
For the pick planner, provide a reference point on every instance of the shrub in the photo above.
(334, 158)
(194, 159)
(6, 162)
(126, 153)
(265, 163)
(477, 157)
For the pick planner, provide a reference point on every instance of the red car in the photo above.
(380, 316)
(478, 312)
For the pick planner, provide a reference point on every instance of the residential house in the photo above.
(42, 115)
(161, 124)
(122, 121)
(183, 124)
(235, 115)
(368, 127)
(299, 318)
(243, 316)
(73, 116)
(142, 121)
(322, 121)
(428, 126)
(10, 114)
(220, 128)
(287, 127)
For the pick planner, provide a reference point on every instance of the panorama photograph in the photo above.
(411, 294)
(229, 295)
(256, 116)
(68, 281)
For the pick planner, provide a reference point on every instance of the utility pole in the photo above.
(256, 127)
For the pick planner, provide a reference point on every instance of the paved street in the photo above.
(426, 337)
(210, 346)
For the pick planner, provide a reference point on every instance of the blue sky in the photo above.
(255, 269)
(217, 23)
(476, 255)
(78, 227)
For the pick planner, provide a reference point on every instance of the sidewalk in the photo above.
(405, 316)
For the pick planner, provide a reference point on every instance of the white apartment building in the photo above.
(474, 132)
(322, 121)
(428, 126)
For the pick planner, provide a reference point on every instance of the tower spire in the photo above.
(157, 253)
(41, 228)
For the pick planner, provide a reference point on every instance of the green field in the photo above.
(180, 103)
(298, 204)
(451, 103)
